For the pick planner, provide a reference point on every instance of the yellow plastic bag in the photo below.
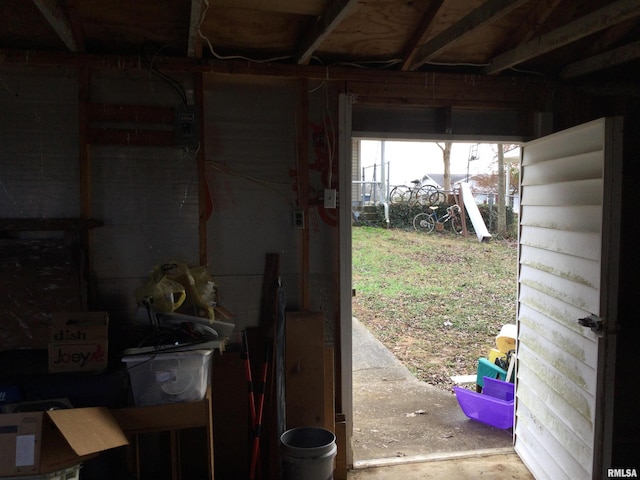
(197, 283)
(166, 295)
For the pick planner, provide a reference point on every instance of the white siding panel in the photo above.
(584, 139)
(561, 360)
(559, 283)
(552, 380)
(578, 244)
(580, 347)
(579, 192)
(542, 451)
(574, 427)
(565, 266)
(580, 296)
(576, 167)
(578, 218)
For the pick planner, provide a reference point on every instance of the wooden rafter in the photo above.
(59, 21)
(336, 11)
(596, 21)
(604, 60)
(610, 38)
(487, 12)
(539, 14)
(194, 48)
(421, 33)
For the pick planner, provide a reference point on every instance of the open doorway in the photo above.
(411, 335)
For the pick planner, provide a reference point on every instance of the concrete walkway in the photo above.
(399, 419)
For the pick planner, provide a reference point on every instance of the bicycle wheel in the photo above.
(456, 224)
(424, 222)
(438, 197)
(397, 195)
(423, 195)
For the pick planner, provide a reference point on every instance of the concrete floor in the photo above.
(495, 467)
(405, 428)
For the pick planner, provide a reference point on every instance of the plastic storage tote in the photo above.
(169, 377)
(494, 406)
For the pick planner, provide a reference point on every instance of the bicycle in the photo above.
(417, 195)
(426, 222)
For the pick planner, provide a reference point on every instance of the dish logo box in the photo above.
(78, 342)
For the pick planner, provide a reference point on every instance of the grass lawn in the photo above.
(435, 300)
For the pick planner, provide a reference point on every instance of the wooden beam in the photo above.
(148, 114)
(194, 48)
(302, 187)
(604, 60)
(336, 11)
(596, 21)
(532, 22)
(205, 205)
(488, 12)
(140, 137)
(58, 20)
(32, 58)
(76, 25)
(48, 224)
(421, 33)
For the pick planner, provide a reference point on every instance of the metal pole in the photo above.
(382, 165)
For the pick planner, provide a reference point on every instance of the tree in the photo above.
(502, 208)
(446, 159)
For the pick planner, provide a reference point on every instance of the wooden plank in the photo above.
(48, 224)
(619, 55)
(110, 112)
(601, 19)
(269, 296)
(194, 47)
(304, 367)
(421, 33)
(330, 18)
(340, 473)
(329, 389)
(84, 159)
(205, 204)
(56, 17)
(491, 10)
(303, 187)
(121, 136)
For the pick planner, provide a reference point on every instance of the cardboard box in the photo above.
(41, 442)
(78, 342)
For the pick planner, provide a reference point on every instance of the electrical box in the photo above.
(186, 126)
(298, 219)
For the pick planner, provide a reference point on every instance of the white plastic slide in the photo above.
(474, 213)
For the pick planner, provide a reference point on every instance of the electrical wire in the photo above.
(225, 169)
(232, 57)
(174, 84)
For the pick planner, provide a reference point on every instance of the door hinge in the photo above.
(594, 322)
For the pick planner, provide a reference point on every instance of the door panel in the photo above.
(558, 427)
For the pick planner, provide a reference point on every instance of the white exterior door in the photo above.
(569, 216)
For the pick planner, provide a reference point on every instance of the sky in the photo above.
(411, 160)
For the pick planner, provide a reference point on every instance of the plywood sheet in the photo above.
(305, 372)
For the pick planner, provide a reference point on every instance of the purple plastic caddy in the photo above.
(494, 406)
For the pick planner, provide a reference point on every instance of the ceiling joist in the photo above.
(616, 56)
(596, 21)
(488, 12)
(59, 21)
(194, 48)
(421, 33)
(336, 11)
(541, 11)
